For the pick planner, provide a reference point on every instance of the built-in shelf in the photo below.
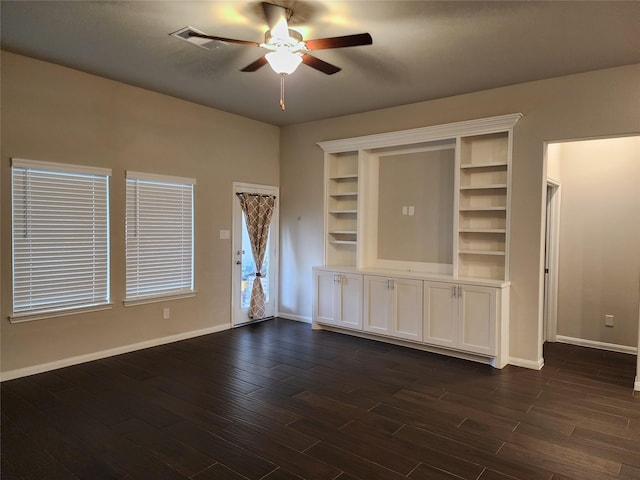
(343, 232)
(348, 176)
(344, 194)
(484, 187)
(343, 242)
(484, 165)
(482, 252)
(341, 212)
(483, 230)
(483, 209)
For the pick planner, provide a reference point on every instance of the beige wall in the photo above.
(57, 114)
(587, 105)
(599, 247)
(423, 180)
(53, 113)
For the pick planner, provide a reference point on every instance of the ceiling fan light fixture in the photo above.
(283, 62)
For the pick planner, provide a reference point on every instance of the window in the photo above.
(159, 236)
(60, 237)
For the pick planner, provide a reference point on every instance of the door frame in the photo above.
(274, 237)
(552, 244)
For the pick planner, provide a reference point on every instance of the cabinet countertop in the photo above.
(434, 277)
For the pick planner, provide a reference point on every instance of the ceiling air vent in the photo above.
(183, 34)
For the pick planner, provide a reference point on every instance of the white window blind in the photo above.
(159, 236)
(60, 236)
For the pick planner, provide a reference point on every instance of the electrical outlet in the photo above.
(166, 314)
(608, 320)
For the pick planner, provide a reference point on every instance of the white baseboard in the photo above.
(523, 362)
(66, 362)
(612, 347)
(297, 318)
(636, 386)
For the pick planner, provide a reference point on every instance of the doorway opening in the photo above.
(591, 266)
(243, 262)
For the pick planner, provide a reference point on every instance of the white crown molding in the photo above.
(424, 134)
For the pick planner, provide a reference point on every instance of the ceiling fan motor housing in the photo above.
(292, 42)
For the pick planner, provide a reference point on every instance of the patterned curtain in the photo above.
(258, 210)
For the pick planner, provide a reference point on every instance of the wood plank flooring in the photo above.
(278, 401)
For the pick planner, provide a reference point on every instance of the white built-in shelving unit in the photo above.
(461, 305)
(484, 205)
(341, 220)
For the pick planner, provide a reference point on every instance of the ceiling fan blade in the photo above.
(222, 39)
(318, 64)
(339, 42)
(276, 17)
(252, 67)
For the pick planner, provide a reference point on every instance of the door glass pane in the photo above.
(249, 269)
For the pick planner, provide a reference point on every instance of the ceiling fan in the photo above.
(287, 47)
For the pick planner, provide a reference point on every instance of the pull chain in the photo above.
(282, 105)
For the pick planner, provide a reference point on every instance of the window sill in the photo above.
(157, 299)
(30, 317)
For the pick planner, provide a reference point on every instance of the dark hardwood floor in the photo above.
(279, 401)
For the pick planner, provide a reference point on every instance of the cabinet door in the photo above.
(477, 319)
(324, 297)
(377, 304)
(440, 314)
(350, 301)
(407, 309)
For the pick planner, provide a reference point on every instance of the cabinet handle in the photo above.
(337, 278)
(460, 291)
(391, 283)
(453, 291)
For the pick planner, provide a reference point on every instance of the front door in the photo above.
(243, 264)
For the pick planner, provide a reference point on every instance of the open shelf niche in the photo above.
(341, 220)
(483, 206)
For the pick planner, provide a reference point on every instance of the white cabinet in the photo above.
(461, 316)
(469, 320)
(338, 299)
(440, 314)
(477, 319)
(393, 306)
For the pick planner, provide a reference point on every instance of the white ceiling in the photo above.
(421, 50)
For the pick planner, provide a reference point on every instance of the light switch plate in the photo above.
(225, 234)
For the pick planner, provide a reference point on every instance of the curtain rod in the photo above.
(256, 195)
